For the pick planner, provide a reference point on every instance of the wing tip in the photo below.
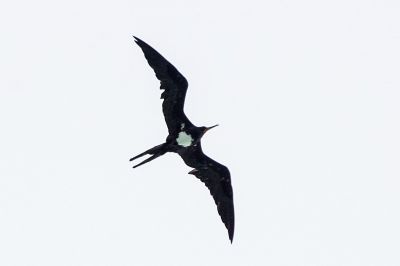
(230, 232)
(138, 41)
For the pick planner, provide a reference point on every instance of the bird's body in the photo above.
(184, 137)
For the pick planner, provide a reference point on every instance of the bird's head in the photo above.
(205, 129)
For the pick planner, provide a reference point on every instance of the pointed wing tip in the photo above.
(137, 40)
(230, 233)
(229, 222)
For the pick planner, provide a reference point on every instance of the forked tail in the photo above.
(154, 152)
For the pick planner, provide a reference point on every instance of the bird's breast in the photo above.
(184, 139)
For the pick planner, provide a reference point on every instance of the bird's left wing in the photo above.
(174, 85)
(217, 179)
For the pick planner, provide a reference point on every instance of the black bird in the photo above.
(184, 137)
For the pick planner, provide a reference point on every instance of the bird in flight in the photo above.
(184, 137)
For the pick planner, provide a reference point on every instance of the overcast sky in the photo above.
(307, 95)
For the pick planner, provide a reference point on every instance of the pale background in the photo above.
(307, 97)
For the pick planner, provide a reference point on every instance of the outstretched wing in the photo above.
(218, 180)
(174, 85)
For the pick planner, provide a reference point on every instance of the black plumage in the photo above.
(184, 137)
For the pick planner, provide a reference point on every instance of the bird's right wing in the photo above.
(174, 85)
(217, 179)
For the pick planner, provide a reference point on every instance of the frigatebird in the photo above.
(184, 137)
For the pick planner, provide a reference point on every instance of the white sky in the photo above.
(307, 97)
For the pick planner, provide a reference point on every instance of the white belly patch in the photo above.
(184, 139)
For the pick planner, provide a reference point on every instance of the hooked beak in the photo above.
(208, 128)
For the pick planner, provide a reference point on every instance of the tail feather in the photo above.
(148, 160)
(155, 152)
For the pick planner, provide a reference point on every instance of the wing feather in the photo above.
(217, 179)
(174, 85)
